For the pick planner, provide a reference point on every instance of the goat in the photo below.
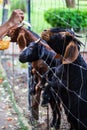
(71, 75)
(49, 96)
(38, 69)
(23, 37)
(42, 68)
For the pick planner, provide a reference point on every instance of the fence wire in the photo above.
(38, 7)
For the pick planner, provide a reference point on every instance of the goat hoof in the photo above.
(52, 124)
(32, 92)
(44, 104)
(71, 128)
(57, 125)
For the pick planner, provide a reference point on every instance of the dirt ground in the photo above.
(8, 117)
(18, 79)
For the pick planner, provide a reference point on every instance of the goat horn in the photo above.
(26, 23)
(38, 40)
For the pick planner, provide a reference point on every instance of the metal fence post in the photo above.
(4, 16)
(5, 11)
(29, 65)
(34, 111)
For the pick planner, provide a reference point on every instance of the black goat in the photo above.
(71, 75)
(37, 51)
(49, 96)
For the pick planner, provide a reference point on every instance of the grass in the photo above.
(2, 75)
(0, 14)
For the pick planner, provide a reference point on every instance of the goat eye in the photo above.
(45, 30)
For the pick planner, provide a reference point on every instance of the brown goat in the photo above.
(23, 37)
(38, 69)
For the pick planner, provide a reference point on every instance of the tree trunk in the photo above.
(70, 3)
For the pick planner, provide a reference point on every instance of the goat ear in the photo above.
(71, 53)
(21, 41)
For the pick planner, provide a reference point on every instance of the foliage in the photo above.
(2, 75)
(71, 18)
(18, 4)
(24, 65)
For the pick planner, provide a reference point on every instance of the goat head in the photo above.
(63, 43)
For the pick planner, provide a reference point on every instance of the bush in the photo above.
(70, 18)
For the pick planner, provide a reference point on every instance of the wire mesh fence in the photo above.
(40, 117)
